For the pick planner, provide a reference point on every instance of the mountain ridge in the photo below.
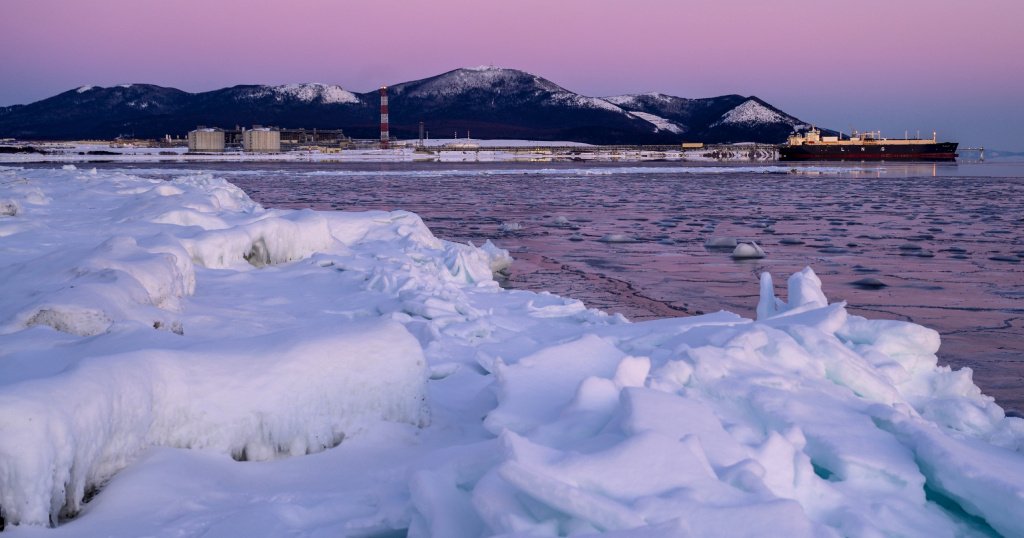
(485, 101)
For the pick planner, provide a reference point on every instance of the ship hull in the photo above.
(939, 151)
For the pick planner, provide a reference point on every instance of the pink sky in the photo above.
(897, 64)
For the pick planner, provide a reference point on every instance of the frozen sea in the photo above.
(941, 245)
(178, 360)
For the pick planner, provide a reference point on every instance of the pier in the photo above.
(979, 149)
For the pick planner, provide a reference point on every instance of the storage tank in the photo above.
(261, 140)
(206, 139)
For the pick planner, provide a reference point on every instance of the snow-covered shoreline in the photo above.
(153, 333)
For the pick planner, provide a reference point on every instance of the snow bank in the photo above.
(129, 264)
(180, 314)
(305, 391)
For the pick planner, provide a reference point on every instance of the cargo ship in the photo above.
(864, 147)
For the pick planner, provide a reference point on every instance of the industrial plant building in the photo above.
(206, 139)
(261, 140)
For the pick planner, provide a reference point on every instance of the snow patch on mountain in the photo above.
(489, 78)
(307, 92)
(660, 123)
(83, 89)
(326, 93)
(565, 97)
(621, 99)
(748, 113)
(502, 81)
(633, 99)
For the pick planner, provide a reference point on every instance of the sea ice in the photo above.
(377, 381)
(720, 242)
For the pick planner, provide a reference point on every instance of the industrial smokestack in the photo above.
(384, 135)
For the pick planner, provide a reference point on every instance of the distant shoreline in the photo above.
(460, 150)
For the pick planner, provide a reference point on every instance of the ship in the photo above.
(869, 146)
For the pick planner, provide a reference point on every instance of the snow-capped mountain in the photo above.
(728, 118)
(486, 101)
(308, 93)
(492, 102)
(498, 81)
(752, 113)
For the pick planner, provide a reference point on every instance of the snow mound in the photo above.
(306, 392)
(750, 112)
(733, 428)
(162, 331)
(128, 268)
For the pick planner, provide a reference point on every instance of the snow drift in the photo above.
(182, 315)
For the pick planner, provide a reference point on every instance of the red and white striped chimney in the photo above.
(384, 135)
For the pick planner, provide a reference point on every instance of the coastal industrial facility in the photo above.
(811, 145)
(260, 139)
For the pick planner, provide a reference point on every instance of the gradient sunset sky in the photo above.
(894, 65)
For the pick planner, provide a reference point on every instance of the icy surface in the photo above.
(378, 381)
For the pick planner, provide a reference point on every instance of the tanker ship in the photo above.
(864, 147)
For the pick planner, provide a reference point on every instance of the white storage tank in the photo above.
(206, 139)
(261, 140)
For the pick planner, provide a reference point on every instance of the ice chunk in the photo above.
(617, 238)
(533, 390)
(805, 291)
(747, 251)
(8, 208)
(500, 260)
(768, 305)
(983, 480)
(869, 283)
(677, 417)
